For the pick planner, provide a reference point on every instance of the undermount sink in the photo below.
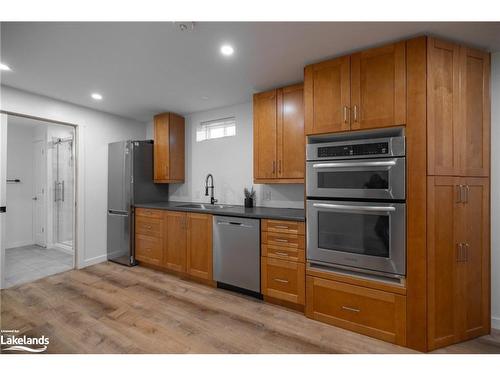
(201, 206)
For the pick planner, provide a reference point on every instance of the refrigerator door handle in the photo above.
(117, 213)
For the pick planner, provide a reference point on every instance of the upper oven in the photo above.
(357, 169)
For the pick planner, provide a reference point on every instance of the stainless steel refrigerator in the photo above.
(130, 181)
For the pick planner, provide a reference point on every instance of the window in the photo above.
(212, 129)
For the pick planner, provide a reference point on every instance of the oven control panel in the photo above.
(377, 148)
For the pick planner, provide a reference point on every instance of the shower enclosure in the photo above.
(63, 192)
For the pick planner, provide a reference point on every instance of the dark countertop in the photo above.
(232, 210)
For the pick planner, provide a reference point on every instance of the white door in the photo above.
(39, 194)
(3, 188)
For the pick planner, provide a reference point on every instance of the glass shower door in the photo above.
(63, 192)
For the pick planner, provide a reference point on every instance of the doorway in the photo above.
(40, 197)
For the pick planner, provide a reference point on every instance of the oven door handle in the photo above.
(386, 163)
(344, 207)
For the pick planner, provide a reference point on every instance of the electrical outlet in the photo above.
(267, 195)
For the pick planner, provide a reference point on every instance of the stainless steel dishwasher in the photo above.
(236, 251)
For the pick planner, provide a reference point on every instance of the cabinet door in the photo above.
(475, 112)
(291, 139)
(199, 246)
(443, 101)
(265, 125)
(378, 87)
(475, 265)
(327, 92)
(443, 236)
(176, 141)
(174, 254)
(161, 147)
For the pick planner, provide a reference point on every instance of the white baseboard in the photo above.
(495, 322)
(19, 244)
(92, 261)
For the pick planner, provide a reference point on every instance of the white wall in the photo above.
(19, 216)
(495, 190)
(95, 131)
(230, 160)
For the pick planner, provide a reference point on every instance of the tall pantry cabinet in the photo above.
(458, 214)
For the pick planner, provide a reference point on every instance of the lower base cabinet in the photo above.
(175, 241)
(283, 280)
(367, 311)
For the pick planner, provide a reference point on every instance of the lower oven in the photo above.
(362, 235)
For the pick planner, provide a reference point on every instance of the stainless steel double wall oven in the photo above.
(356, 201)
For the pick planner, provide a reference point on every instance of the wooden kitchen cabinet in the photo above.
(378, 87)
(365, 90)
(174, 252)
(283, 262)
(199, 246)
(177, 241)
(279, 150)
(327, 95)
(458, 116)
(149, 235)
(458, 259)
(265, 134)
(168, 148)
(372, 312)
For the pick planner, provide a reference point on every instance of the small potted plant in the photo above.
(249, 197)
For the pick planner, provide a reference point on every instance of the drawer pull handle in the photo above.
(281, 226)
(281, 281)
(280, 240)
(281, 253)
(352, 309)
(148, 226)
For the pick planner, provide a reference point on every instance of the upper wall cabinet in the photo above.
(279, 135)
(458, 113)
(327, 90)
(168, 148)
(378, 87)
(362, 91)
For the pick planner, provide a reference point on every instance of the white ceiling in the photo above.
(145, 68)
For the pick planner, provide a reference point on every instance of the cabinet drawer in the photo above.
(284, 253)
(147, 212)
(368, 311)
(283, 226)
(283, 239)
(149, 226)
(148, 249)
(283, 280)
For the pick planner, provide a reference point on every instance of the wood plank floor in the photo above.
(108, 308)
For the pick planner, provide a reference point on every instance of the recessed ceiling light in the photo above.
(96, 96)
(5, 67)
(227, 50)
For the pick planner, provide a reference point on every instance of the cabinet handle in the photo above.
(466, 193)
(274, 167)
(466, 252)
(148, 226)
(283, 281)
(346, 109)
(281, 226)
(352, 309)
(281, 253)
(280, 240)
(459, 194)
(279, 166)
(355, 113)
(459, 252)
